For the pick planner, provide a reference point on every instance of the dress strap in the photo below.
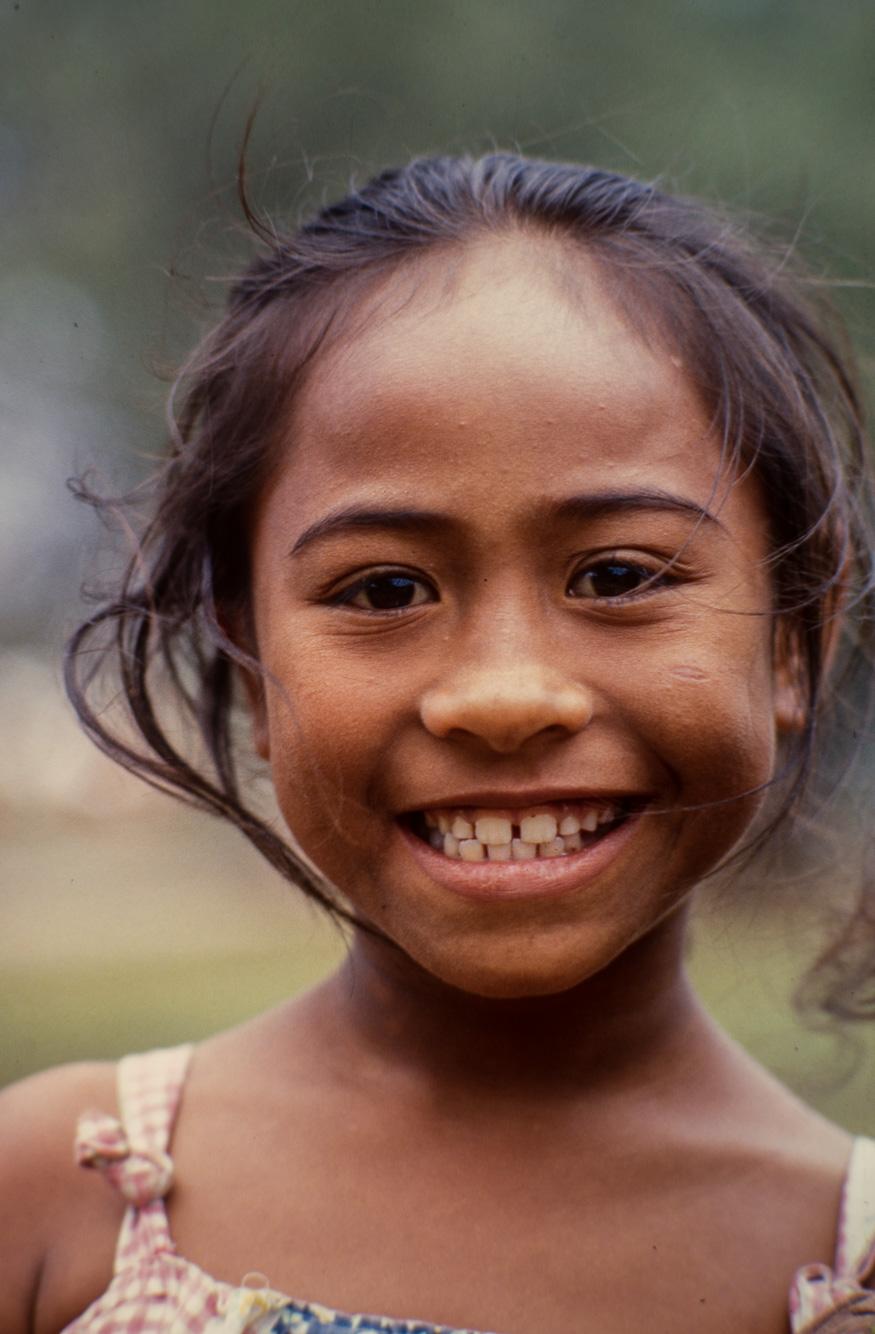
(149, 1089)
(131, 1151)
(856, 1232)
(839, 1300)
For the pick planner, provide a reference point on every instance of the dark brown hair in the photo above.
(755, 339)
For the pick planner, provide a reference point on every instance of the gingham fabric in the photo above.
(836, 1301)
(156, 1291)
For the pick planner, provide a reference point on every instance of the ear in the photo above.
(236, 624)
(253, 684)
(790, 679)
(792, 702)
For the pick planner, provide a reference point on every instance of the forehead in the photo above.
(511, 356)
(543, 317)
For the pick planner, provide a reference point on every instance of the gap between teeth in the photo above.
(482, 836)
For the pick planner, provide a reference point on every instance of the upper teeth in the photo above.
(495, 829)
(538, 828)
(502, 835)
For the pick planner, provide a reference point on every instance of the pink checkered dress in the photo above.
(156, 1291)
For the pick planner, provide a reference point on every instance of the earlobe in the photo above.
(791, 709)
(791, 703)
(258, 713)
(791, 671)
(237, 626)
(253, 684)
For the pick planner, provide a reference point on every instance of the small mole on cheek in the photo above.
(688, 671)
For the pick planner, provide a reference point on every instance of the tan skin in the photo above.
(507, 1109)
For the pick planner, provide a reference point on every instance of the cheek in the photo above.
(714, 734)
(714, 724)
(328, 748)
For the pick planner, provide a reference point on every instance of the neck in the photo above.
(631, 1017)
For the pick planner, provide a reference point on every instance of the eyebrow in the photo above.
(353, 518)
(597, 504)
(356, 517)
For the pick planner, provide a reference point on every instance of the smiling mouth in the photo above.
(553, 829)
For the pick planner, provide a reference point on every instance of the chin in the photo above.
(514, 978)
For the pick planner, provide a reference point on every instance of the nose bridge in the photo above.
(506, 685)
(507, 637)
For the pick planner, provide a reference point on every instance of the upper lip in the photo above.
(521, 799)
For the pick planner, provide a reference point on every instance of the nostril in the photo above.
(506, 709)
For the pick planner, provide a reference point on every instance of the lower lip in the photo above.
(542, 877)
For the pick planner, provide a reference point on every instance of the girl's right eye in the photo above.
(392, 591)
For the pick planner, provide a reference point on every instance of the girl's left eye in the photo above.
(391, 591)
(612, 578)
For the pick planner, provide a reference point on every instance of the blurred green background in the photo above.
(124, 922)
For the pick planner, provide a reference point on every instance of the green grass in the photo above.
(53, 1013)
(81, 1011)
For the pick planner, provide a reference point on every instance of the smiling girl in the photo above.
(520, 501)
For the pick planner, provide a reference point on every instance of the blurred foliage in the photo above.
(120, 125)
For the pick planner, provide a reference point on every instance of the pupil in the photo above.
(387, 593)
(615, 580)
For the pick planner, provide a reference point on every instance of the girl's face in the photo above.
(514, 621)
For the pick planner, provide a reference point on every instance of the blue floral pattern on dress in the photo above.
(306, 1318)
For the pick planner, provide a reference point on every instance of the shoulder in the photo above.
(58, 1223)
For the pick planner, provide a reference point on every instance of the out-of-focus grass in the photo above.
(161, 925)
(746, 972)
(153, 927)
(73, 1010)
(85, 1010)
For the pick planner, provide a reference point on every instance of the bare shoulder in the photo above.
(783, 1164)
(58, 1223)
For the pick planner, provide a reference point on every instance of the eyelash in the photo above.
(652, 579)
(385, 577)
(398, 581)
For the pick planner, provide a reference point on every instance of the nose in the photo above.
(506, 706)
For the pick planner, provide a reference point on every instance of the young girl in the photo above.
(521, 503)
